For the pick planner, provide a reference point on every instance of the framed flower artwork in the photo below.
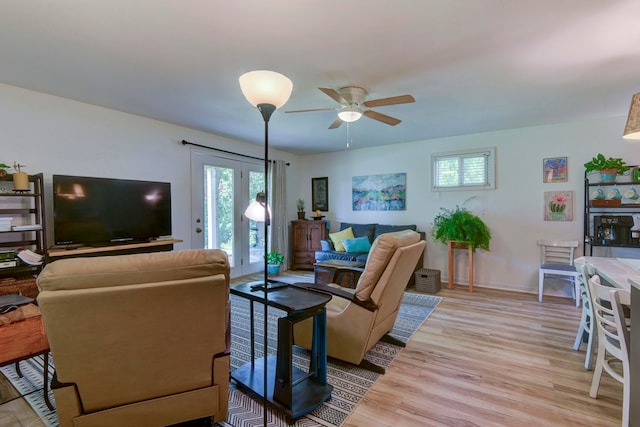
(558, 205)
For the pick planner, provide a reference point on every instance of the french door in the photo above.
(221, 189)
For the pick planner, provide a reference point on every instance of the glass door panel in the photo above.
(221, 191)
(218, 210)
(256, 229)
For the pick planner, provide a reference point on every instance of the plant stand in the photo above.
(470, 250)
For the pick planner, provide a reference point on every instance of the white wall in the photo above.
(513, 211)
(55, 135)
(59, 136)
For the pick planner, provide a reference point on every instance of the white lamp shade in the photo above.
(632, 129)
(266, 87)
(349, 114)
(255, 211)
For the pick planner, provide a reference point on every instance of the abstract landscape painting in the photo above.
(385, 192)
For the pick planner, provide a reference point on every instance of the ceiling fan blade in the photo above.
(402, 99)
(336, 123)
(334, 94)
(312, 109)
(382, 117)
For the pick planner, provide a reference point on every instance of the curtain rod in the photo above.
(185, 142)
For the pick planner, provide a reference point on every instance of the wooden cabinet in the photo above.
(305, 241)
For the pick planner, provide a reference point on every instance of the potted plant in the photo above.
(274, 261)
(3, 172)
(20, 179)
(300, 206)
(461, 226)
(608, 167)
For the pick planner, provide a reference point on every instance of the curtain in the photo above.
(278, 200)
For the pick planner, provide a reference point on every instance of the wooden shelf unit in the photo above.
(25, 208)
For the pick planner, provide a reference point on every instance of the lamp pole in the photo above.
(267, 91)
(266, 110)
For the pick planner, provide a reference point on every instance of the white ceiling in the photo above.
(472, 65)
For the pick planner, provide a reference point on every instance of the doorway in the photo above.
(221, 189)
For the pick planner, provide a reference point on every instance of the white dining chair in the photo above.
(613, 338)
(587, 324)
(557, 261)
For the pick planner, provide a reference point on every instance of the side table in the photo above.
(470, 249)
(343, 273)
(23, 339)
(289, 388)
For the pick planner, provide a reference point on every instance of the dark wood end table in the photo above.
(343, 273)
(293, 390)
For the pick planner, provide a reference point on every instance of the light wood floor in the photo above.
(491, 358)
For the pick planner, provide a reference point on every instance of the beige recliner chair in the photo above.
(138, 340)
(358, 318)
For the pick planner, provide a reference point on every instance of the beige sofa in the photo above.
(138, 340)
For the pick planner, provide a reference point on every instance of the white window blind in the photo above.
(466, 170)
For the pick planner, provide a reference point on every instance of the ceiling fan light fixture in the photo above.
(349, 114)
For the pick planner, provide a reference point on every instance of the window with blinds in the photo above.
(464, 170)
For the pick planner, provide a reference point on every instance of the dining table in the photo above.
(624, 273)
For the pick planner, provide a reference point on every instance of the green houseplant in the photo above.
(608, 167)
(274, 261)
(3, 172)
(300, 206)
(461, 226)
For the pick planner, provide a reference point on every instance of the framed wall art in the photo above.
(554, 169)
(387, 192)
(558, 205)
(320, 194)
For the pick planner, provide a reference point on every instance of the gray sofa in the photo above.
(372, 231)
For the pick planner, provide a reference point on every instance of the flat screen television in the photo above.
(99, 211)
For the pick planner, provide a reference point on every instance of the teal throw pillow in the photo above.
(357, 244)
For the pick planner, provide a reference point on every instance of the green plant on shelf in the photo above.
(3, 166)
(600, 163)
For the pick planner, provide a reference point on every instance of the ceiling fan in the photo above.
(352, 106)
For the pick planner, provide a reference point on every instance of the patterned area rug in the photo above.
(31, 387)
(350, 383)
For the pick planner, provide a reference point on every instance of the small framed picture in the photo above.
(558, 205)
(554, 169)
(320, 194)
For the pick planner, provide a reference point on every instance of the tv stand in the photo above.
(123, 248)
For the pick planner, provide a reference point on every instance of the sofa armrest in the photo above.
(326, 245)
(338, 292)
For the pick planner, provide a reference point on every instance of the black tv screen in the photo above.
(108, 211)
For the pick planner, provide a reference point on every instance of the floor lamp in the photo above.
(267, 91)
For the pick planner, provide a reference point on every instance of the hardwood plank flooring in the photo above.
(491, 358)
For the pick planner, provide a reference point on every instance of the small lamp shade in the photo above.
(632, 129)
(349, 114)
(255, 210)
(266, 87)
